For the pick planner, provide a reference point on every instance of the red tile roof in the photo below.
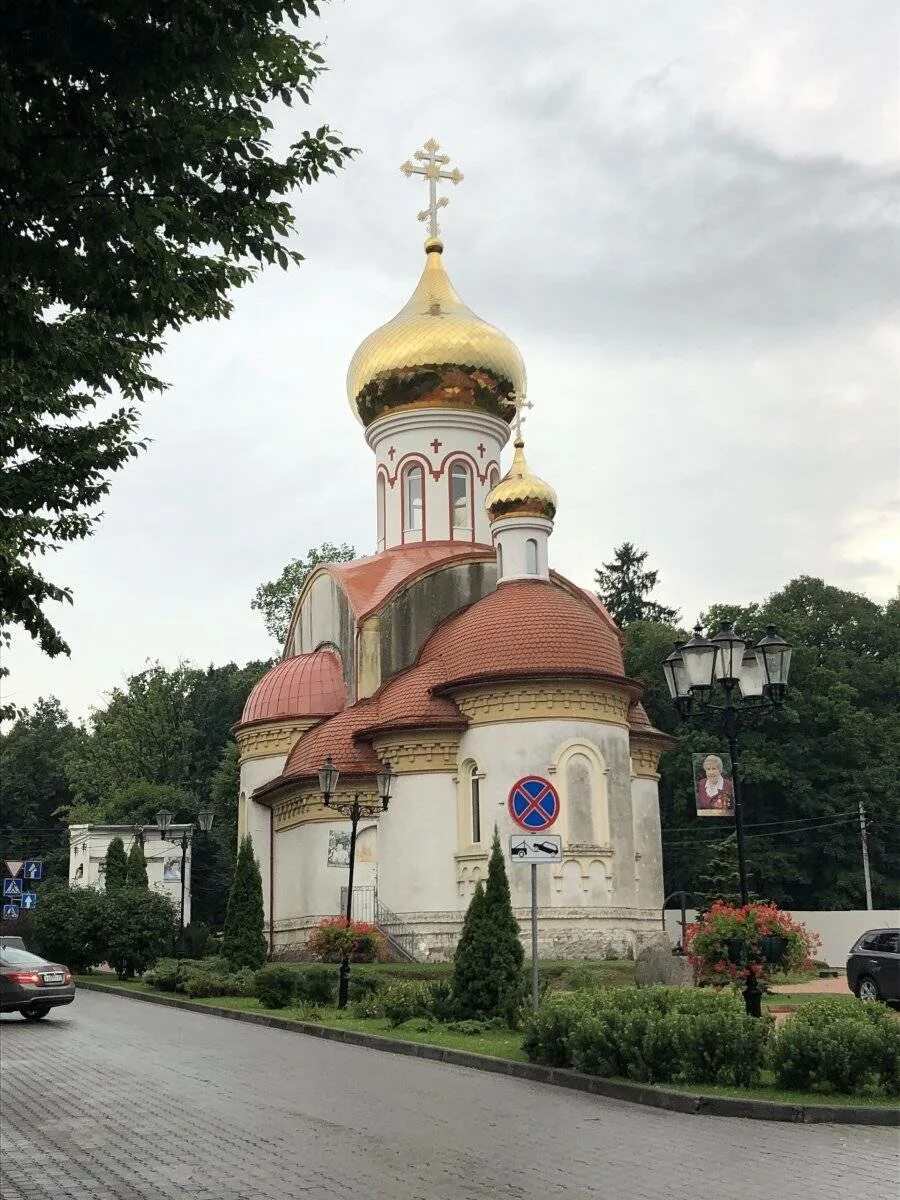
(337, 738)
(369, 582)
(307, 685)
(637, 717)
(525, 628)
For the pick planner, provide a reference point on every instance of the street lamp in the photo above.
(354, 809)
(749, 680)
(164, 823)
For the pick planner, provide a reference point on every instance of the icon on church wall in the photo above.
(713, 785)
(172, 870)
(338, 848)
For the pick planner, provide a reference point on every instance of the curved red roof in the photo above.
(335, 738)
(369, 582)
(525, 627)
(307, 685)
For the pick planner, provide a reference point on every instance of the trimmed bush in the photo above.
(136, 875)
(838, 1044)
(201, 985)
(69, 926)
(276, 986)
(316, 986)
(197, 939)
(363, 985)
(403, 1001)
(139, 930)
(166, 975)
(244, 944)
(116, 873)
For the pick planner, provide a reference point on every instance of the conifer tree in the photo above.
(136, 876)
(244, 943)
(487, 972)
(116, 874)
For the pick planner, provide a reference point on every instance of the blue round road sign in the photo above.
(533, 803)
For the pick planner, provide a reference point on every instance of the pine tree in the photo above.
(244, 943)
(623, 585)
(720, 878)
(116, 874)
(487, 971)
(136, 876)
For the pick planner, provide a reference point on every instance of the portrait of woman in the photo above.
(713, 785)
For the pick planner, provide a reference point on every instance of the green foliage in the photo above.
(275, 600)
(197, 940)
(652, 1035)
(70, 926)
(275, 986)
(200, 978)
(837, 1044)
(318, 985)
(137, 867)
(140, 189)
(332, 938)
(487, 965)
(115, 876)
(139, 929)
(403, 1001)
(245, 943)
(624, 587)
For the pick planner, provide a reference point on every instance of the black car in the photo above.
(873, 968)
(31, 985)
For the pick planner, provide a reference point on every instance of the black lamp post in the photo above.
(163, 824)
(354, 809)
(726, 678)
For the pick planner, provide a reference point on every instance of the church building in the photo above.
(460, 656)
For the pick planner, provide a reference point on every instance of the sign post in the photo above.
(533, 804)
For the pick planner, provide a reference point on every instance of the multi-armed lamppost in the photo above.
(354, 809)
(749, 679)
(163, 823)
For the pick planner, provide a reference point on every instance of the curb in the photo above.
(634, 1093)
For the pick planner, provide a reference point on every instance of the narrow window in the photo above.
(413, 498)
(493, 478)
(460, 496)
(499, 560)
(381, 512)
(531, 564)
(475, 791)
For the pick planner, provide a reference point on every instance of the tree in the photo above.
(719, 876)
(275, 599)
(139, 929)
(69, 926)
(138, 189)
(117, 866)
(624, 586)
(244, 944)
(487, 965)
(137, 866)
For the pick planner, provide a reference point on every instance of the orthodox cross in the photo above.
(436, 445)
(432, 172)
(518, 399)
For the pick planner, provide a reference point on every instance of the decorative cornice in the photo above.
(537, 701)
(415, 753)
(304, 808)
(271, 738)
(415, 418)
(644, 761)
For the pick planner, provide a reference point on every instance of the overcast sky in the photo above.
(685, 215)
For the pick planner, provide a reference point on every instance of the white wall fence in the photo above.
(837, 930)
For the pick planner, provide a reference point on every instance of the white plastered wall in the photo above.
(647, 843)
(254, 818)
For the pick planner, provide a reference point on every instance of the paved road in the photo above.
(116, 1100)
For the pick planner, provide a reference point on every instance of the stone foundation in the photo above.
(575, 933)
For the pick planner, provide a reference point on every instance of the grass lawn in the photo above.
(497, 1043)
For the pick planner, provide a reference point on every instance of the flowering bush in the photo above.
(334, 936)
(728, 940)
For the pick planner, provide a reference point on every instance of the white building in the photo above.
(88, 845)
(459, 655)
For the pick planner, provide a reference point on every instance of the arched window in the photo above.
(413, 499)
(499, 560)
(475, 798)
(493, 478)
(381, 510)
(461, 498)
(580, 800)
(531, 557)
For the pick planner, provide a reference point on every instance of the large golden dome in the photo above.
(435, 354)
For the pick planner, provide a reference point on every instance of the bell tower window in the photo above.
(475, 796)
(531, 557)
(461, 500)
(381, 511)
(413, 500)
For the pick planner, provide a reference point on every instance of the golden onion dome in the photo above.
(435, 354)
(520, 493)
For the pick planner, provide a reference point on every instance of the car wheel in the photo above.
(867, 989)
(34, 1012)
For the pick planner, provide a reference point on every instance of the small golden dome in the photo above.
(435, 354)
(520, 493)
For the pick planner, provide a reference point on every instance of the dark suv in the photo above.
(873, 968)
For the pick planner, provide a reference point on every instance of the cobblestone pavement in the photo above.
(116, 1100)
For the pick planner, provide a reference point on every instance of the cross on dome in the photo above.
(519, 401)
(433, 173)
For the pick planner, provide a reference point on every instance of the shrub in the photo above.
(469, 1027)
(441, 1004)
(316, 986)
(367, 1007)
(166, 975)
(136, 875)
(709, 939)
(139, 930)
(197, 939)
(276, 986)
(547, 1031)
(838, 1044)
(116, 873)
(402, 1001)
(244, 944)
(69, 926)
(361, 986)
(487, 965)
(579, 979)
(200, 985)
(333, 937)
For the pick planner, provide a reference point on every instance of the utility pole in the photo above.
(865, 854)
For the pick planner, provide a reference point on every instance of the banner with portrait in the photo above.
(713, 785)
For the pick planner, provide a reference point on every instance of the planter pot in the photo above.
(773, 946)
(734, 951)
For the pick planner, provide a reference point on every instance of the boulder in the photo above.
(657, 964)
